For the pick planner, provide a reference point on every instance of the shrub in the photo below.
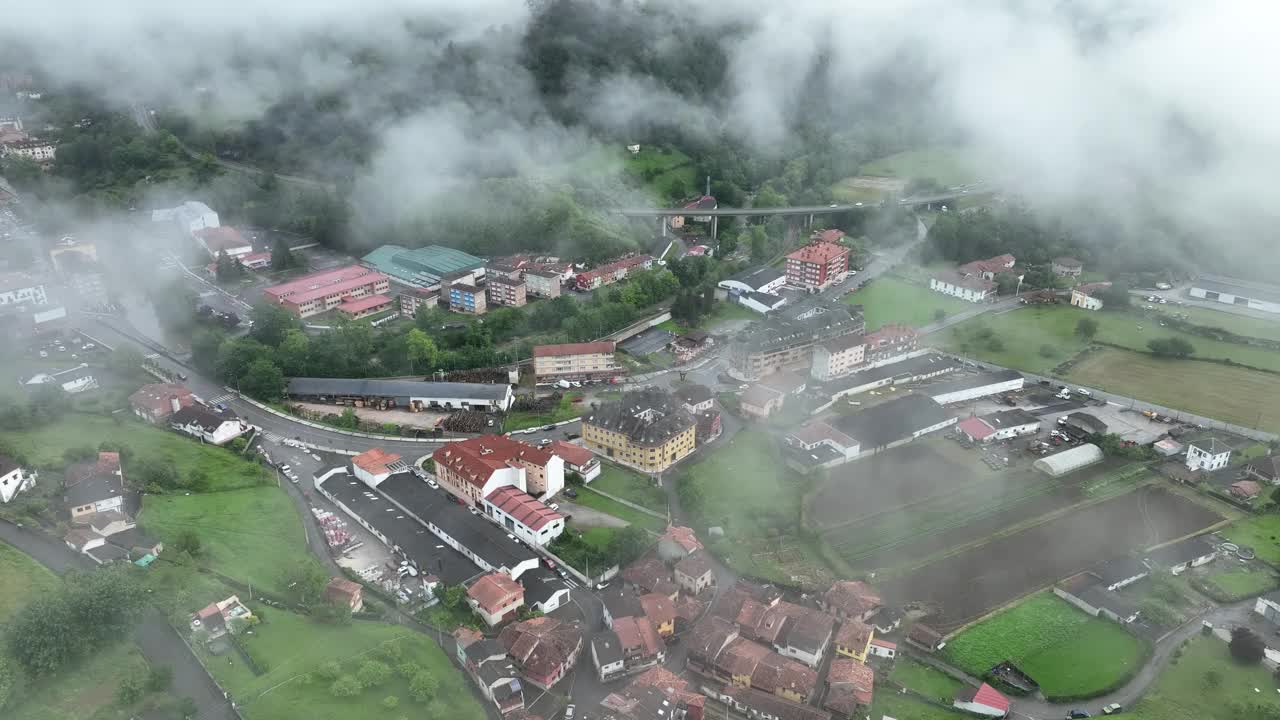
(159, 679)
(390, 702)
(329, 671)
(373, 673)
(129, 691)
(423, 686)
(345, 686)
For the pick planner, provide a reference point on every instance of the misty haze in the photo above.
(631, 360)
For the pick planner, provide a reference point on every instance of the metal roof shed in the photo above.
(1069, 461)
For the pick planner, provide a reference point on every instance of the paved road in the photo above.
(1181, 294)
(959, 192)
(159, 643)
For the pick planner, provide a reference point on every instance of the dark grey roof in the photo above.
(415, 541)
(1119, 569)
(1183, 551)
(969, 382)
(540, 584)
(1010, 418)
(607, 647)
(757, 278)
(1086, 421)
(765, 299)
(911, 367)
(1211, 445)
(132, 538)
(484, 649)
(398, 388)
(1099, 596)
(801, 322)
(621, 602)
(86, 484)
(648, 417)
(1237, 287)
(694, 394)
(108, 553)
(895, 420)
(207, 419)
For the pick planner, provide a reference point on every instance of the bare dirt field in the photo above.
(965, 586)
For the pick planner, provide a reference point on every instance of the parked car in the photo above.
(1112, 709)
(548, 428)
(570, 493)
(1075, 714)
(433, 484)
(1082, 391)
(569, 710)
(554, 506)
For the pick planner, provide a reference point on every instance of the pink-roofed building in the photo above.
(356, 308)
(315, 293)
(577, 459)
(984, 700)
(520, 513)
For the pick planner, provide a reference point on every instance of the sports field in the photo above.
(889, 300)
(1066, 651)
(1222, 392)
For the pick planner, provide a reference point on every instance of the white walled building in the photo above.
(971, 288)
(1208, 455)
(190, 217)
(1231, 291)
(13, 479)
(213, 427)
(21, 289)
(972, 387)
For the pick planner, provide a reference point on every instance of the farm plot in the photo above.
(1066, 651)
(964, 586)
(1213, 390)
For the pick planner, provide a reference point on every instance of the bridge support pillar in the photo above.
(715, 226)
(810, 220)
(662, 223)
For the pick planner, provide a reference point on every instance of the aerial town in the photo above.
(586, 414)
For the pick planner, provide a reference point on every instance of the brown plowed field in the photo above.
(966, 586)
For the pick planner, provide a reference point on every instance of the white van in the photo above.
(1082, 391)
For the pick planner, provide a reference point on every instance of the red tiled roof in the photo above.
(997, 264)
(521, 506)
(310, 287)
(853, 634)
(853, 597)
(613, 267)
(818, 252)
(646, 573)
(355, 305)
(1091, 288)
(342, 588)
(892, 334)
(975, 427)
(222, 239)
(985, 695)
(658, 608)
(696, 565)
(477, 459)
(880, 642)
(492, 590)
(637, 632)
(572, 454)
(540, 646)
(1246, 488)
(850, 680)
(375, 461)
(156, 396)
(831, 236)
(684, 537)
(604, 346)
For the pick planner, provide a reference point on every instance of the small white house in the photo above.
(969, 288)
(213, 427)
(13, 479)
(1208, 455)
(884, 648)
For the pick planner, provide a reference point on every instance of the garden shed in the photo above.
(1069, 460)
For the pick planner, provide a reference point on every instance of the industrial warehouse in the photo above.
(411, 395)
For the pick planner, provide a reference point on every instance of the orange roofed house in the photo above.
(544, 649)
(375, 465)
(850, 687)
(341, 591)
(851, 599)
(157, 401)
(577, 459)
(495, 597)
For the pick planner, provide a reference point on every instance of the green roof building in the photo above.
(420, 267)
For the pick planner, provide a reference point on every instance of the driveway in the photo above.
(159, 643)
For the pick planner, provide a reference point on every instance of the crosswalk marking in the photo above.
(223, 398)
(272, 437)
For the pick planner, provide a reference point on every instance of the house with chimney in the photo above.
(544, 649)
(493, 672)
(157, 401)
(495, 597)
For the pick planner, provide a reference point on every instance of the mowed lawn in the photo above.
(85, 691)
(252, 535)
(889, 300)
(1239, 324)
(1060, 647)
(1260, 532)
(45, 446)
(1181, 693)
(631, 486)
(923, 679)
(904, 707)
(947, 165)
(21, 580)
(596, 501)
(1233, 394)
(1025, 331)
(293, 647)
(1242, 582)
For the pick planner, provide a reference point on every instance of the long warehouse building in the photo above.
(412, 395)
(972, 387)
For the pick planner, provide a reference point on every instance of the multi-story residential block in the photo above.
(613, 272)
(414, 299)
(506, 291)
(575, 361)
(647, 429)
(466, 298)
(818, 265)
(542, 283)
(315, 293)
(473, 470)
(787, 337)
(41, 151)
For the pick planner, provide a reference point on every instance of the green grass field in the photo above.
(599, 502)
(889, 300)
(1238, 324)
(236, 530)
(1024, 331)
(924, 679)
(1244, 581)
(21, 579)
(295, 648)
(662, 172)
(949, 166)
(1209, 389)
(566, 410)
(900, 707)
(630, 485)
(1181, 693)
(44, 448)
(1260, 532)
(748, 491)
(1060, 647)
(85, 691)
